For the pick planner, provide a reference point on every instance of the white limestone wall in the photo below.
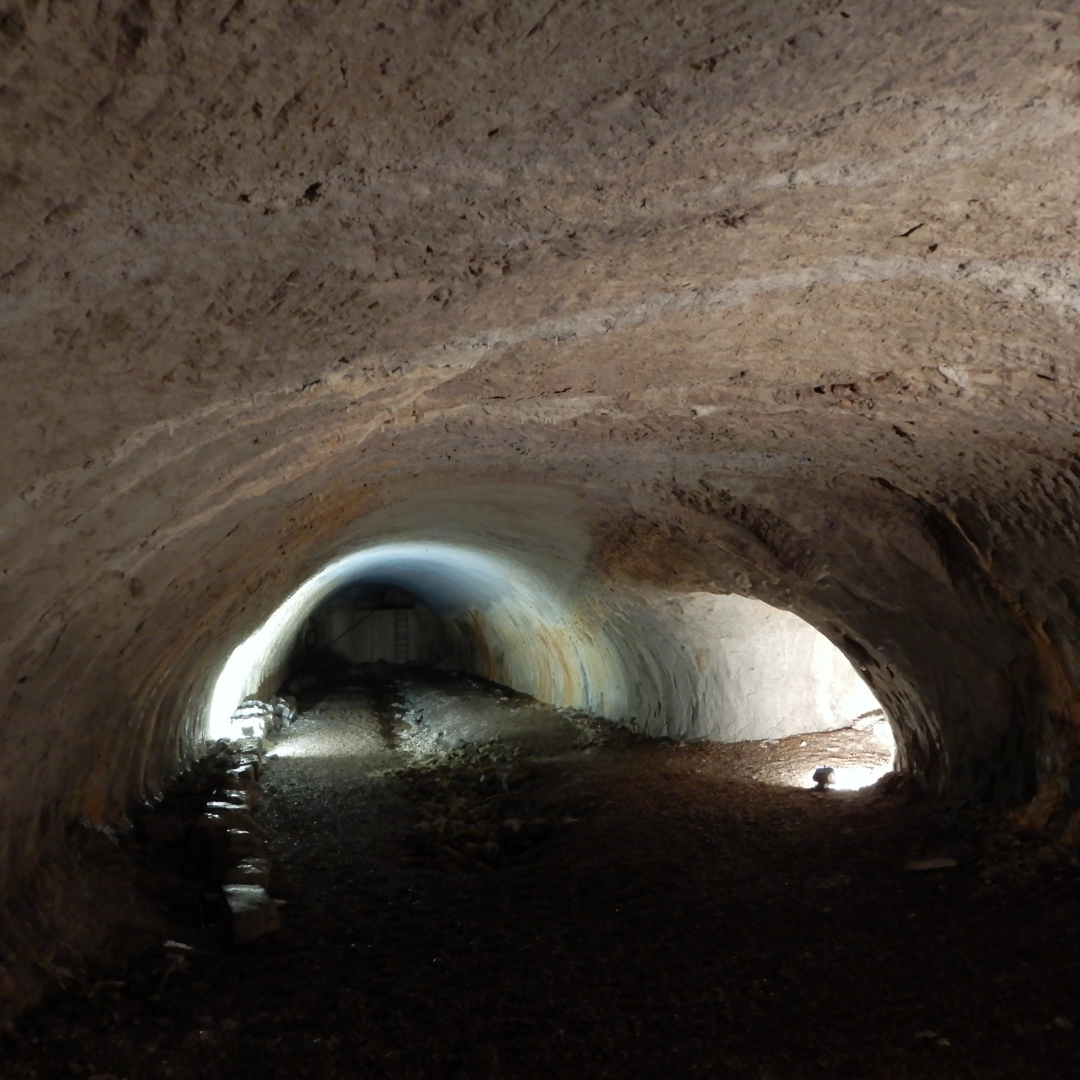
(763, 673)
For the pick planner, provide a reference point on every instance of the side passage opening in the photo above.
(766, 676)
(521, 619)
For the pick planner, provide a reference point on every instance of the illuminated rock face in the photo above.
(771, 300)
(762, 673)
(507, 572)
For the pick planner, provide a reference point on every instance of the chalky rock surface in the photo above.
(778, 300)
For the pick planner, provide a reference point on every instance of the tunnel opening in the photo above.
(688, 666)
(361, 632)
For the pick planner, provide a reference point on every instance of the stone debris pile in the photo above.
(206, 823)
(877, 725)
(257, 719)
(234, 843)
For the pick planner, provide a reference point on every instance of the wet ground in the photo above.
(474, 885)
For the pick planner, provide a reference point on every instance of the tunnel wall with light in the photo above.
(525, 609)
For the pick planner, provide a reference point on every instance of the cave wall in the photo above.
(762, 673)
(785, 295)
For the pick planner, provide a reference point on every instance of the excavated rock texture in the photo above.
(786, 295)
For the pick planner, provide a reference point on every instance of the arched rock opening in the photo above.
(510, 576)
(363, 624)
(760, 301)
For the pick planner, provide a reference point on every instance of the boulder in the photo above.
(252, 912)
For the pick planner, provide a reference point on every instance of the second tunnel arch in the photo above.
(514, 585)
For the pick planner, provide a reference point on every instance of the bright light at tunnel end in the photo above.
(850, 777)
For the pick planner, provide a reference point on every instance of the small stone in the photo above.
(252, 912)
(1064, 1025)
(243, 777)
(513, 778)
(235, 797)
(174, 949)
(236, 815)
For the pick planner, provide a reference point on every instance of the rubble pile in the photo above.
(200, 844)
(255, 718)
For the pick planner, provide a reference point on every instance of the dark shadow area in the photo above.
(363, 634)
(473, 884)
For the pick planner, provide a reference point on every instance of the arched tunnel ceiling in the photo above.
(785, 294)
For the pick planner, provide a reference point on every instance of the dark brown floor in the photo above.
(689, 921)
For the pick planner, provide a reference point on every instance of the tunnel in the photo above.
(513, 599)
(631, 350)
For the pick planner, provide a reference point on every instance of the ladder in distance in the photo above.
(402, 641)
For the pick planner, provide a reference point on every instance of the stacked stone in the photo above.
(232, 838)
(206, 820)
(256, 718)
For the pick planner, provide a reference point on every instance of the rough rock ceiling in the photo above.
(786, 295)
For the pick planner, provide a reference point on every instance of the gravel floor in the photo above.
(478, 886)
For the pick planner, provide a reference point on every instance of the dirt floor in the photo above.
(478, 886)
